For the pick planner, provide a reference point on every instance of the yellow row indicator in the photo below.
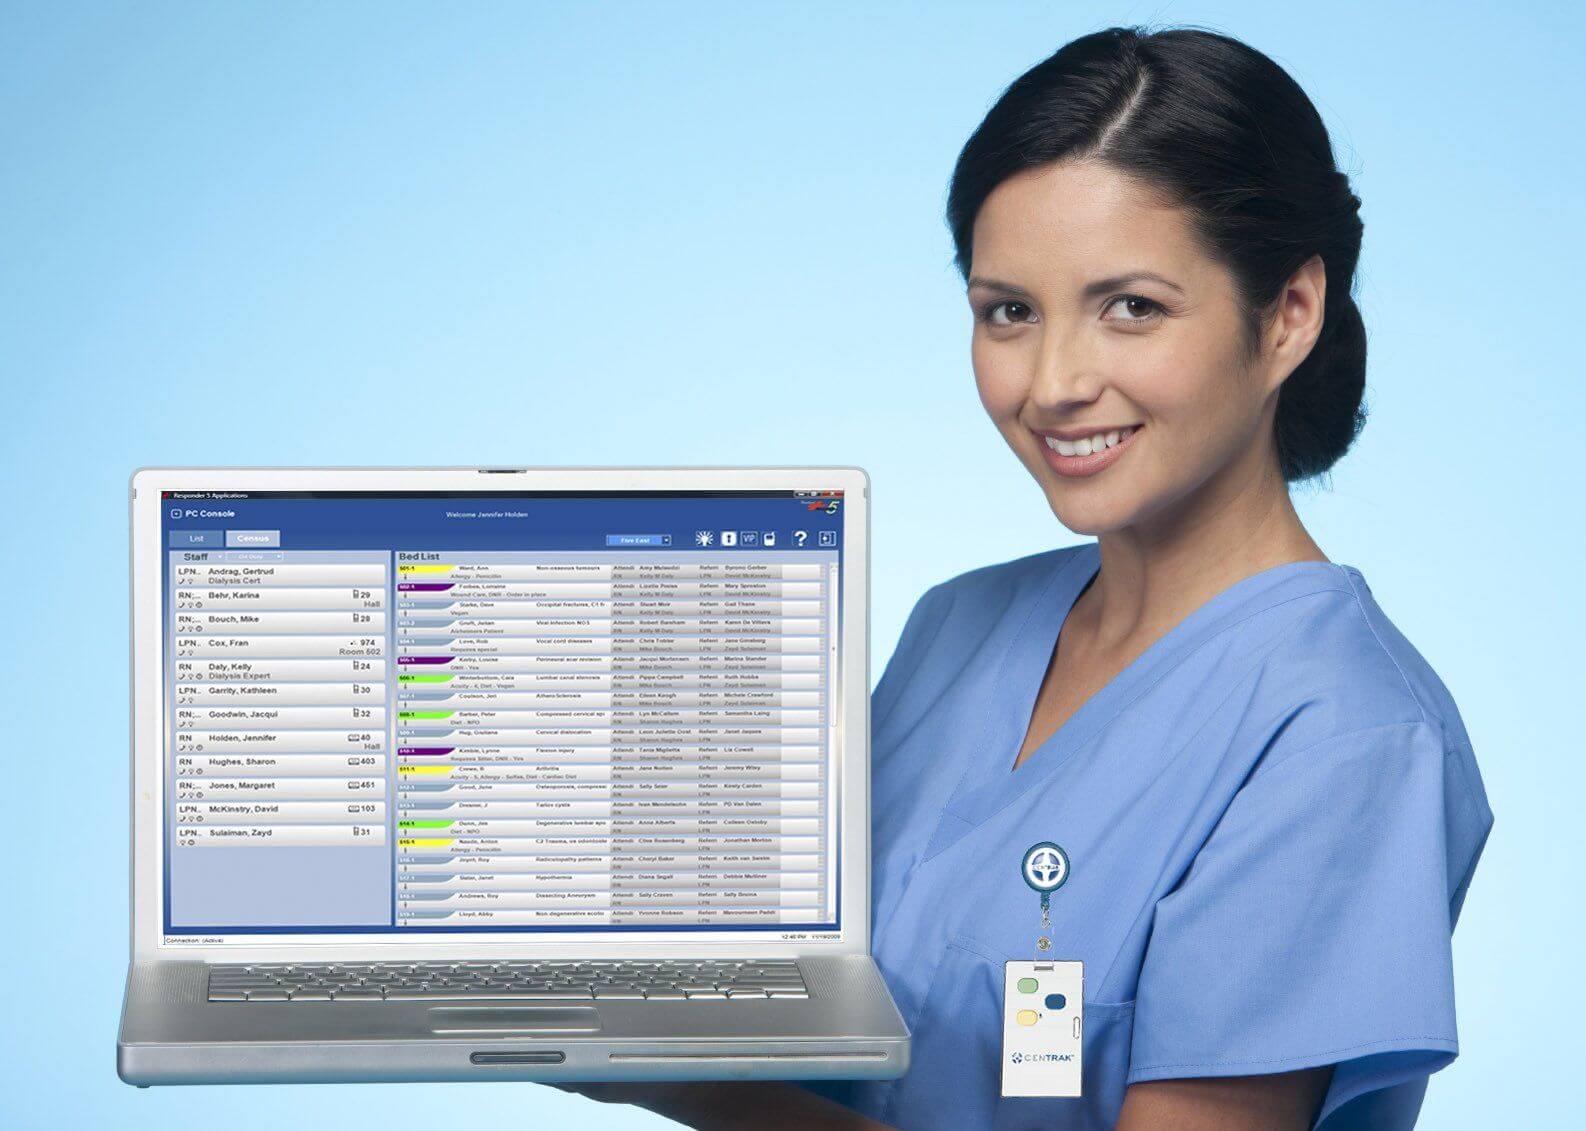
(425, 568)
(423, 842)
(424, 769)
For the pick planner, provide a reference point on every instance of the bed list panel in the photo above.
(635, 741)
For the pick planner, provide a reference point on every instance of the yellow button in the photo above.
(1026, 1017)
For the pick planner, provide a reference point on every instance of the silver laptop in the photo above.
(501, 773)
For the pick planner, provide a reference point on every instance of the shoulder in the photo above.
(1353, 685)
(979, 607)
(1353, 669)
(993, 589)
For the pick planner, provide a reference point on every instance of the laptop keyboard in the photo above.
(486, 981)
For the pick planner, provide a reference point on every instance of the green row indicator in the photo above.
(424, 824)
(424, 678)
(425, 714)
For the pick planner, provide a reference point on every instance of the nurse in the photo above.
(1269, 805)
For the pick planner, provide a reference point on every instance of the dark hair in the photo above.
(1224, 132)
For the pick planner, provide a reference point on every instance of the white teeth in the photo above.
(1089, 445)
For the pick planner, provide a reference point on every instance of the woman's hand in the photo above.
(728, 1105)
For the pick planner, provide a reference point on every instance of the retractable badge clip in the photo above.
(1045, 869)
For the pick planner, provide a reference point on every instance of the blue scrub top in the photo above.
(1272, 817)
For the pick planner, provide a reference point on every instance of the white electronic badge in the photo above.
(1043, 1015)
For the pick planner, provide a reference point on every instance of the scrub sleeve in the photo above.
(1314, 926)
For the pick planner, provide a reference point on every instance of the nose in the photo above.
(1064, 379)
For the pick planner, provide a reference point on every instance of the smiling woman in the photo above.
(1269, 802)
(1268, 805)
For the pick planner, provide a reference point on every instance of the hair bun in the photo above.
(1321, 407)
(1349, 202)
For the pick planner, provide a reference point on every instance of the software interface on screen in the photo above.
(500, 712)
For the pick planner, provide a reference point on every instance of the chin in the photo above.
(1090, 518)
(1092, 505)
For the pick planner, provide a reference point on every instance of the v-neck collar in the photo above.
(988, 784)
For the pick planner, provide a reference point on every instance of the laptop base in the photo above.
(847, 1028)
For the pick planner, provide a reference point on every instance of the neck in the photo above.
(1156, 572)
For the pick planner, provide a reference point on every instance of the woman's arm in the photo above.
(1283, 1101)
(728, 1106)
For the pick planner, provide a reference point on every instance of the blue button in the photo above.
(638, 539)
(1055, 1001)
(258, 539)
(186, 539)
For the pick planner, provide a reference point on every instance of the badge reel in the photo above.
(1043, 999)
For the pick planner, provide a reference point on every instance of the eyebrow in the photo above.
(1092, 290)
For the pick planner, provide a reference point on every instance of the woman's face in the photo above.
(1123, 395)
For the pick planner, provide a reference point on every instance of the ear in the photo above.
(1297, 322)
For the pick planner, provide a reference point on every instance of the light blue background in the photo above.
(386, 234)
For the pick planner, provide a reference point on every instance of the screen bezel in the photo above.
(148, 942)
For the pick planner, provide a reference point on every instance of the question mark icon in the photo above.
(801, 536)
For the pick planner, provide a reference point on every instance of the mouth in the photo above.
(1085, 456)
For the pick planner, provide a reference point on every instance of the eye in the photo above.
(1006, 313)
(1141, 309)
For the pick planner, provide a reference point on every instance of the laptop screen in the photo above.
(500, 712)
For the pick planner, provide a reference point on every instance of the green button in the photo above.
(1028, 985)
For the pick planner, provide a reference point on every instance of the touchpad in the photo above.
(514, 1019)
